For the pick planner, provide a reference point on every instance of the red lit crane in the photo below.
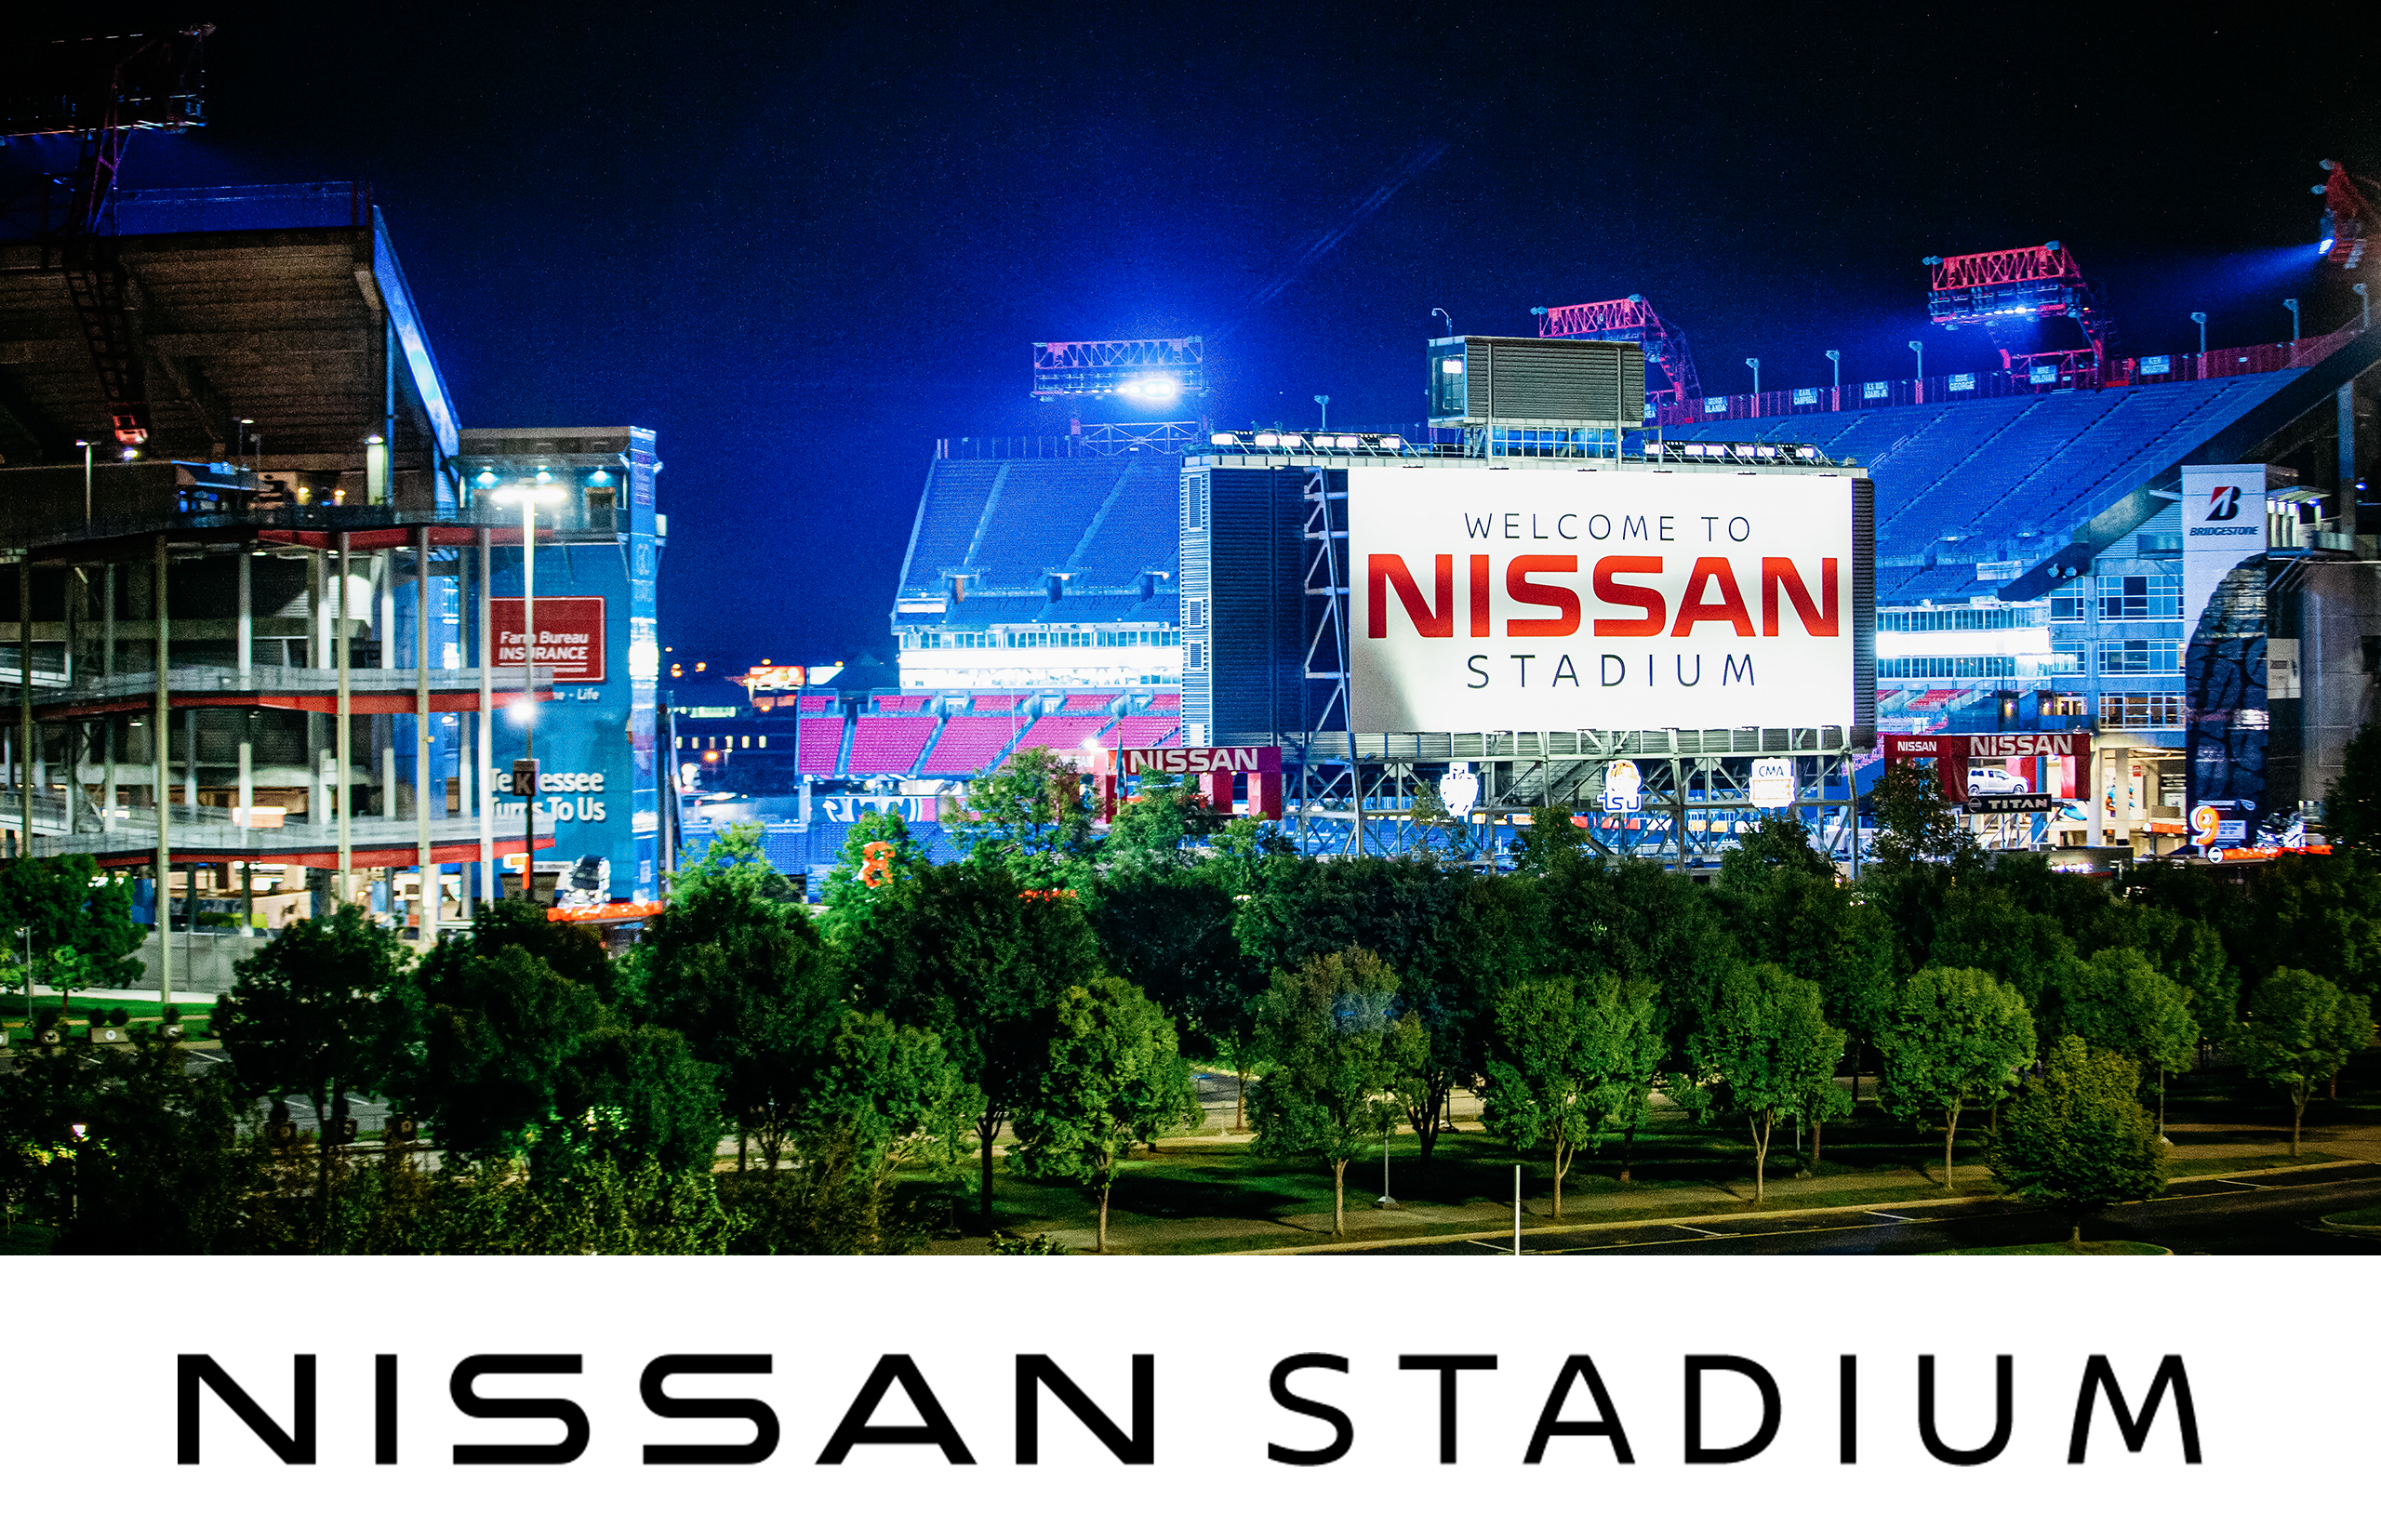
(1631, 320)
(2027, 284)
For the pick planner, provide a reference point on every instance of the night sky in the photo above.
(803, 245)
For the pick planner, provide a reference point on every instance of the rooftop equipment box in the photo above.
(1536, 382)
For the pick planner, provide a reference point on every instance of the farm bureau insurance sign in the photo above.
(570, 636)
(1534, 600)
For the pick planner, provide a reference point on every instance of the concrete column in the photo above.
(107, 620)
(385, 728)
(346, 642)
(423, 735)
(107, 781)
(2120, 772)
(466, 728)
(489, 888)
(245, 648)
(248, 802)
(2344, 506)
(25, 701)
(189, 765)
(2095, 783)
(160, 737)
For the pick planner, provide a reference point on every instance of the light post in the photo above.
(2200, 316)
(85, 446)
(1325, 402)
(528, 495)
(1754, 365)
(2366, 300)
(25, 934)
(1835, 362)
(1445, 318)
(2291, 306)
(1920, 349)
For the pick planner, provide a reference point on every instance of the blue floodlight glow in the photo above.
(2323, 247)
(486, 478)
(600, 478)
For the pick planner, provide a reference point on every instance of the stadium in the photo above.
(2029, 571)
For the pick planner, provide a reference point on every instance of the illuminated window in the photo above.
(2139, 657)
(2141, 710)
(1946, 667)
(2156, 596)
(2066, 604)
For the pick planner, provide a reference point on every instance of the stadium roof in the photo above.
(2021, 485)
(269, 304)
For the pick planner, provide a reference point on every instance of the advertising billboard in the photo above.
(570, 636)
(1557, 599)
(2224, 660)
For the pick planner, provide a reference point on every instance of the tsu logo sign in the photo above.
(1459, 789)
(1623, 787)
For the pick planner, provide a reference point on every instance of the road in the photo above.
(2263, 1216)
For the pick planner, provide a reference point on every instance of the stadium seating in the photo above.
(901, 702)
(822, 744)
(1079, 705)
(1060, 733)
(1139, 732)
(954, 505)
(969, 744)
(985, 704)
(1046, 507)
(1142, 527)
(889, 745)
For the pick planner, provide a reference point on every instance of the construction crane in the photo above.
(102, 90)
(1631, 320)
(2026, 284)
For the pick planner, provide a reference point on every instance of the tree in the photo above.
(1785, 906)
(879, 856)
(736, 854)
(1157, 827)
(501, 1029)
(969, 957)
(630, 1094)
(2079, 1137)
(1335, 1050)
(2297, 1033)
(1984, 927)
(573, 950)
(1114, 1079)
(1764, 1048)
(1550, 841)
(68, 901)
(2118, 1000)
(1170, 931)
(1028, 815)
(2352, 802)
(325, 1008)
(1917, 824)
(1569, 1060)
(1957, 1036)
(753, 986)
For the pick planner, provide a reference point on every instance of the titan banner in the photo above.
(1537, 600)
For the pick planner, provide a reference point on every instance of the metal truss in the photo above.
(2029, 282)
(1631, 320)
(1119, 368)
(1122, 438)
(1362, 794)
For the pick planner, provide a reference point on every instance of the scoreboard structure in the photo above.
(1545, 625)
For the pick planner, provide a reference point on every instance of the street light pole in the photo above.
(1754, 365)
(1325, 402)
(2291, 306)
(1445, 318)
(1920, 349)
(2366, 300)
(2200, 316)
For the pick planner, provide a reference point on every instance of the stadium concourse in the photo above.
(2028, 577)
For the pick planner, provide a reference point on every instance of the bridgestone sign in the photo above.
(1556, 599)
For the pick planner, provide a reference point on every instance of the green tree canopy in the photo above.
(1028, 814)
(501, 1029)
(1170, 933)
(1763, 1050)
(1569, 1061)
(1916, 824)
(325, 1008)
(1958, 1037)
(631, 1094)
(575, 951)
(2352, 802)
(754, 990)
(1114, 1079)
(68, 901)
(2118, 1000)
(849, 895)
(983, 965)
(1336, 1051)
(2079, 1137)
(2297, 1033)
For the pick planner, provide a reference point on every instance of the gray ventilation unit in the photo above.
(1535, 382)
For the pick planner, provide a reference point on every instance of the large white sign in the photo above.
(1536, 599)
(2224, 524)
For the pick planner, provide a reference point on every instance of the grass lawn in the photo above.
(26, 1239)
(13, 1021)
(1236, 1201)
(2357, 1219)
(2060, 1248)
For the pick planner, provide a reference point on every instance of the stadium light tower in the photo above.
(2291, 306)
(2200, 316)
(1754, 365)
(1325, 402)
